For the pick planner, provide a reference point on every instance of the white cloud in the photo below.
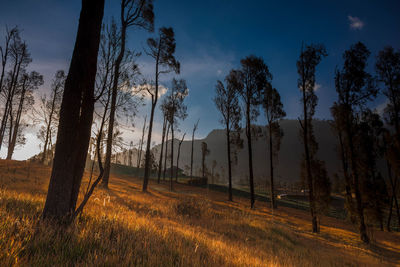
(317, 86)
(355, 23)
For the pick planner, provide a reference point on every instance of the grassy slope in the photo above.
(189, 227)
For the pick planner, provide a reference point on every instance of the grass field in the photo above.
(188, 227)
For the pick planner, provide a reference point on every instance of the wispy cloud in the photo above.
(144, 89)
(355, 23)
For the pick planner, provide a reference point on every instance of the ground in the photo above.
(188, 227)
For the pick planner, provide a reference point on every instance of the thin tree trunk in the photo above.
(250, 151)
(360, 210)
(229, 162)
(273, 203)
(166, 153)
(191, 156)
(172, 158)
(162, 148)
(76, 116)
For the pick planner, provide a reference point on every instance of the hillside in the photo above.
(288, 167)
(188, 227)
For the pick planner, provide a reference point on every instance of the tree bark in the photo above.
(360, 210)
(76, 116)
(250, 151)
(162, 148)
(273, 203)
(166, 153)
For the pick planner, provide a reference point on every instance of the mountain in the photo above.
(290, 154)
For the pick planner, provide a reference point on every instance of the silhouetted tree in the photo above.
(274, 112)
(27, 85)
(138, 13)
(354, 87)
(254, 76)
(308, 61)
(368, 143)
(76, 116)
(339, 126)
(162, 50)
(227, 102)
(20, 59)
(5, 51)
(388, 70)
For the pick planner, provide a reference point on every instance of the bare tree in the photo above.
(274, 112)
(227, 102)
(138, 13)
(4, 52)
(20, 58)
(27, 84)
(76, 116)
(48, 112)
(162, 50)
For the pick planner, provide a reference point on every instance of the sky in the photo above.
(211, 38)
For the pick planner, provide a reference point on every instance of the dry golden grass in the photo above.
(189, 227)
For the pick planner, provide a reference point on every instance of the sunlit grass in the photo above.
(189, 227)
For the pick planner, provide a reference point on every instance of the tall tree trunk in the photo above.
(191, 156)
(360, 209)
(76, 116)
(305, 125)
(162, 149)
(172, 158)
(250, 151)
(273, 203)
(349, 198)
(107, 163)
(229, 162)
(166, 152)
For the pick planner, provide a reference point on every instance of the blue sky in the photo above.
(212, 37)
